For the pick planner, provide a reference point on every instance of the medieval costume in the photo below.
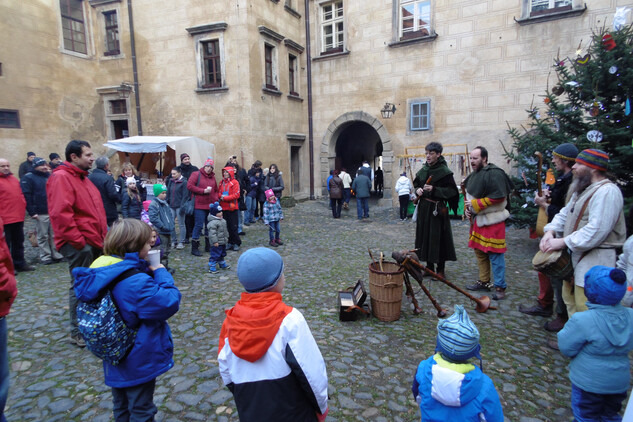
(433, 234)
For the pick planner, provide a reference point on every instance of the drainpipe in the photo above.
(137, 96)
(310, 128)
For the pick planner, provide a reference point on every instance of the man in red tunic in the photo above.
(487, 190)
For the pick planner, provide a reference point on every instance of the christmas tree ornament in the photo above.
(546, 100)
(558, 90)
(582, 61)
(594, 136)
(608, 42)
(572, 83)
(627, 107)
(613, 69)
(549, 177)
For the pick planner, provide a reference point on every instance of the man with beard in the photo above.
(487, 191)
(596, 207)
(436, 191)
(563, 157)
(78, 217)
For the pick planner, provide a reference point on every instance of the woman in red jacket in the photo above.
(203, 185)
(229, 192)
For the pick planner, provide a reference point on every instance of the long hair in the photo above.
(126, 236)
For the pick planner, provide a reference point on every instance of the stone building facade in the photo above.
(235, 72)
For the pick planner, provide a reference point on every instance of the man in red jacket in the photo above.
(8, 292)
(13, 215)
(78, 217)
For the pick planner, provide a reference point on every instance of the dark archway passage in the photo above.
(357, 142)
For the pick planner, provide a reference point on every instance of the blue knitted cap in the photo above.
(259, 269)
(457, 336)
(605, 285)
(215, 208)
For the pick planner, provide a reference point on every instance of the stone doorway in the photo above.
(352, 138)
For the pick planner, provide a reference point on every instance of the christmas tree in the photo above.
(589, 105)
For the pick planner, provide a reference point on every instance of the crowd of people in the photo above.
(267, 355)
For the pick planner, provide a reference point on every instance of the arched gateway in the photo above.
(352, 138)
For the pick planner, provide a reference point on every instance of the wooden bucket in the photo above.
(385, 290)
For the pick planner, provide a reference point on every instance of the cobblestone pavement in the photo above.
(370, 363)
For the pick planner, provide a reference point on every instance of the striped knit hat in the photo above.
(457, 337)
(594, 158)
(566, 151)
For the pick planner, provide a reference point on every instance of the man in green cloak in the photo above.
(436, 191)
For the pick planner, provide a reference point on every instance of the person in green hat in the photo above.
(162, 219)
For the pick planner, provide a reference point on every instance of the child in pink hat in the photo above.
(273, 214)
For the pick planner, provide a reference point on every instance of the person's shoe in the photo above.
(25, 268)
(62, 259)
(241, 233)
(441, 274)
(536, 310)
(224, 265)
(212, 268)
(236, 248)
(553, 344)
(279, 242)
(555, 325)
(187, 241)
(170, 270)
(173, 245)
(500, 293)
(77, 340)
(195, 248)
(247, 224)
(273, 243)
(47, 262)
(180, 246)
(480, 286)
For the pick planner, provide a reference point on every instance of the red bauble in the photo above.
(608, 42)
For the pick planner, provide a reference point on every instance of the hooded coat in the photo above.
(229, 191)
(8, 284)
(145, 303)
(270, 361)
(11, 193)
(455, 392)
(599, 341)
(197, 183)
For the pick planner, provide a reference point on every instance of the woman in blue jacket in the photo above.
(145, 303)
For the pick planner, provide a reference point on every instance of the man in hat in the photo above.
(55, 160)
(13, 215)
(487, 192)
(446, 386)
(105, 183)
(591, 225)
(552, 201)
(78, 218)
(26, 166)
(186, 169)
(436, 191)
(33, 186)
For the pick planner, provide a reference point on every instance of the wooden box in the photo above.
(351, 303)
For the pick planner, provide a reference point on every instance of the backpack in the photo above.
(102, 326)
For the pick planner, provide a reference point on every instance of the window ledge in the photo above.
(295, 98)
(95, 3)
(330, 56)
(419, 40)
(211, 90)
(275, 92)
(292, 11)
(551, 16)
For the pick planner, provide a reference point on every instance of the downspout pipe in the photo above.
(310, 126)
(137, 95)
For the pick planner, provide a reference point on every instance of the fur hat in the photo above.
(605, 285)
(457, 336)
(158, 189)
(183, 156)
(38, 161)
(259, 269)
(130, 180)
(566, 151)
(594, 158)
(215, 208)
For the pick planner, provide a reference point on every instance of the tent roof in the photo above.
(198, 149)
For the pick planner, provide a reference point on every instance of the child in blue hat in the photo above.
(446, 386)
(218, 237)
(599, 341)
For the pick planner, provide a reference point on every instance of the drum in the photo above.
(554, 264)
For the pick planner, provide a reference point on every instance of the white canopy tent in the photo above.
(198, 149)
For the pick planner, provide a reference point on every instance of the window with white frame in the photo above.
(210, 62)
(415, 18)
(545, 6)
(420, 115)
(332, 27)
(270, 68)
(73, 26)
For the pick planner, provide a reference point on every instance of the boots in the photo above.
(212, 267)
(224, 265)
(207, 245)
(500, 293)
(195, 244)
(557, 324)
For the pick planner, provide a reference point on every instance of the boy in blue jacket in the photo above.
(145, 303)
(446, 386)
(599, 341)
(162, 219)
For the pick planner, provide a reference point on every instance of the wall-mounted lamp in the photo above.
(125, 89)
(388, 110)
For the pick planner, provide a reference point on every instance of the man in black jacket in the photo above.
(105, 183)
(33, 186)
(27, 166)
